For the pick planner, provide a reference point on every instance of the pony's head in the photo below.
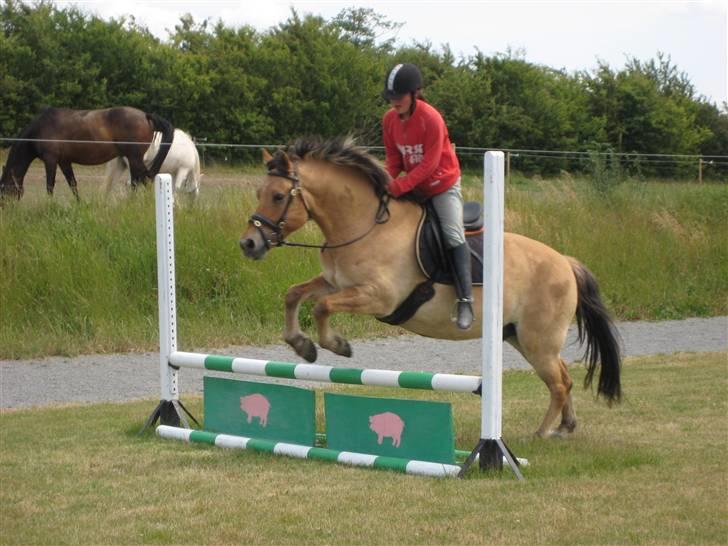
(10, 184)
(281, 207)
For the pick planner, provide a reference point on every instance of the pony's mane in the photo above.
(341, 151)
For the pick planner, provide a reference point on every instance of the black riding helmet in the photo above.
(402, 79)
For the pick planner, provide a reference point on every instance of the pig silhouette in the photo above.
(255, 405)
(387, 425)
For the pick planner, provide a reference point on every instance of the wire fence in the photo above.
(528, 161)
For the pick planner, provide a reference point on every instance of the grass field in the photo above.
(82, 278)
(651, 471)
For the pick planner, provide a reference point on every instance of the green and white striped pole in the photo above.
(422, 468)
(327, 374)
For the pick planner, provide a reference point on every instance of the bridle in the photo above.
(276, 226)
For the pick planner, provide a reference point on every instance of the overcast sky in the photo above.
(572, 35)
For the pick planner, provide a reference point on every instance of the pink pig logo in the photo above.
(255, 405)
(387, 425)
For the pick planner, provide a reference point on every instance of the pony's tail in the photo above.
(167, 129)
(596, 327)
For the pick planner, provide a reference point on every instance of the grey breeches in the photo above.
(449, 208)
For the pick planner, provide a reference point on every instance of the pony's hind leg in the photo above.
(568, 414)
(295, 296)
(70, 178)
(543, 354)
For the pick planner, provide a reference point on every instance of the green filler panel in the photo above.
(263, 411)
(407, 429)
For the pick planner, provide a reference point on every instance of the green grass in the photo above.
(82, 278)
(650, 471)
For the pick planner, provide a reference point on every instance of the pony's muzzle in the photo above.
(253, 246)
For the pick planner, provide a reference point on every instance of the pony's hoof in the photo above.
(566, 428)
(338, 346)
(550, 434)
(304, 348)
(342, 347)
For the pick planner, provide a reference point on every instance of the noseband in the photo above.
(276, 227)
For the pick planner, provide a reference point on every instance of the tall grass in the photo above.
(81, 278)
(659, 250)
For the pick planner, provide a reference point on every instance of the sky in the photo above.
(570, 35)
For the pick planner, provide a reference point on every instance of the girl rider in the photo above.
(417, 144)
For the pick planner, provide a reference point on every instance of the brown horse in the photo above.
(59, 137)
(369, 266)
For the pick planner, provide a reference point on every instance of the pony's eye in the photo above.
(278, 197)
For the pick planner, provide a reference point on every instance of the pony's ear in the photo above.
(289, 163)
(266, 157)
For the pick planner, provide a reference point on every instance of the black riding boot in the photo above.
(460, 259)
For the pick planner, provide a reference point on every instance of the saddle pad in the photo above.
(431, 255)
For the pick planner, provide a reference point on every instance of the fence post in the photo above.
(508, 167)
(700, 170)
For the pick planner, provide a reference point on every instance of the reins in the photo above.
(258, 220)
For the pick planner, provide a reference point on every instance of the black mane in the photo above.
(342, 151)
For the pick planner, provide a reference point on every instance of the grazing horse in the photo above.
(182, 162)
(60, 137)
(370, 267)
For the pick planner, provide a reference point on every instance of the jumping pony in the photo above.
(369, 266)
(60, 137)
(182, 162)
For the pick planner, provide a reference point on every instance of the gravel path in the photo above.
(121, 377)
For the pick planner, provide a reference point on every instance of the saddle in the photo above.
(430, 249)
(433, 261)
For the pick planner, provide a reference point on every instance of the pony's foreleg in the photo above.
(357, 299)
(50, 169)
(70, 178)
(295, 296)
(116, 174)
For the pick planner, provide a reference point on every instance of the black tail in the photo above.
(167, 129)
(596, 327)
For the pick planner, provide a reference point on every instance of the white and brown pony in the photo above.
(369, 266)
(182, 162)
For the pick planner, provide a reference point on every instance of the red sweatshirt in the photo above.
(419, 146)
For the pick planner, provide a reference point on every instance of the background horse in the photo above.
(60, 137)
(369, 266)
(182, 162)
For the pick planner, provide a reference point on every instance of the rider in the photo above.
(416, 142)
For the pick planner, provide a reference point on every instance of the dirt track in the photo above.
(120, 377)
